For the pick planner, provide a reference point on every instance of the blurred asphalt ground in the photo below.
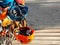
(43, 14)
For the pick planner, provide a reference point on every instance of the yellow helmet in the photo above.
(6, 22)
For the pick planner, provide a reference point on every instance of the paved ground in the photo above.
(42, 1)
(44, 14)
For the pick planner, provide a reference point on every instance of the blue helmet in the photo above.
(5, 3)
(18, 13)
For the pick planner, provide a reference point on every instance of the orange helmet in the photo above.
(20, 2)
(3, 14)
(22, 37)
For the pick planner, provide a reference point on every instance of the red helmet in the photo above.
(20, 2)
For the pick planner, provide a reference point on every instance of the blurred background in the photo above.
(43, 14)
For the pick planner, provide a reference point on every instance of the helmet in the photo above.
(24, 10)
(18, 13)
(5, 3)
(14, 14)
(22, 37)
(6, 22)
(20, 2)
